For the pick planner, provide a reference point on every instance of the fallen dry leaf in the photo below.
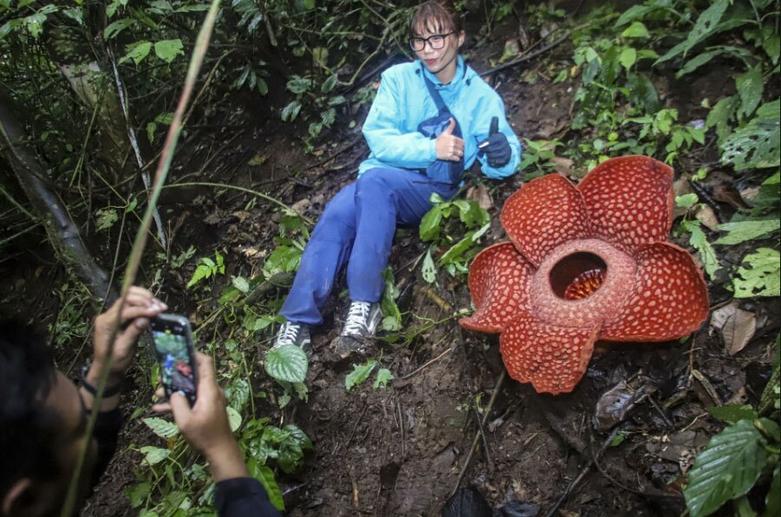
(737, 326)
(707, 217)
(563, 165)
(480, 195)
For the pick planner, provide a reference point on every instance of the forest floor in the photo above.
(400, 450)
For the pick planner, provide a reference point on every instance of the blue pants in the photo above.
(357, 228)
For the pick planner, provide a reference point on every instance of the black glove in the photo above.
(496, 147)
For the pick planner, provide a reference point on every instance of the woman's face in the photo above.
(439, 61)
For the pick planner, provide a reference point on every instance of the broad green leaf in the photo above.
(154, 455)
(384, 376)
(151, 130)
(686, 200)
(429, 270)
(168, 49)
(284, 259)
(201, 272)
(628, 57)
(706, 25)
(262, 86)
(773, 498)
(391, 321)
(117, 26)
(290, 112)
(138, 493)
(757, 144)
(106, 217)
(636, 12)
(287, 363)
(743, 231)
(138, 51)
(234, 419)
(162, 428)
(732, 413)
(238, 393)
(266, 477)
(359, 374)
(749, 86)
(299, 85)
(699, 241)
(76, 14)
(727, 468)
(430, 224)
(758, 275)
(240, 283)
(705, 57)
(636, 30)
(720, 115)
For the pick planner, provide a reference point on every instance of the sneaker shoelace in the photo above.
(357, 318)
(289, 334)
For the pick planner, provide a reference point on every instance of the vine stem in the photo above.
(139, 244)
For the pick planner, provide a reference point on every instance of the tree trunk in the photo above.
(63, 234)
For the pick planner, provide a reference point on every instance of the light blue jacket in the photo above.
(403, 102)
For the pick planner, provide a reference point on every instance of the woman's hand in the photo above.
(448, 146)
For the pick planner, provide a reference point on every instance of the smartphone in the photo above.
(173, 341)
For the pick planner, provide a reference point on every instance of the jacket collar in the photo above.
(462, 70)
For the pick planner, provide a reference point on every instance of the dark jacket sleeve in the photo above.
(106, 432)
(240, 497)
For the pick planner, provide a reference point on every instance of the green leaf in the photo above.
(706, 24)
(726, 469)
(266, 477)
(757, 144)
(732, 413)
(138, 51)
(299, 85)
(384, 376)
(162, 428)
(628, 57)
(284, 259)
(749, 86)
(238, 394)
(636, 30)
(262, 86)
(106, 217)
(287, 363)
(234, 419)
(117, 26)
(154, 455)
(686, 200)
(635, 12)
(201, 272)
(138, 493)
(168, 49)
(773, 498)
(429, 270)
(76, 14)
(720, 115)
(290, 112)
(758, 275)
(240, 283)
(359, 374)
(430, 224)
(392, 320)
(743, 231)
(699, 241)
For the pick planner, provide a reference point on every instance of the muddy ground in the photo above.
(399, 451)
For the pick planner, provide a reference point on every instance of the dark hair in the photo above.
(27, 428)
(438, 16)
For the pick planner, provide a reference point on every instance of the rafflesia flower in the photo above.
(585, 263)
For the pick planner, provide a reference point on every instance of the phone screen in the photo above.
(174, 353)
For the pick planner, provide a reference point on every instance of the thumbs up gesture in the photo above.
(448, 146)
(496, 148)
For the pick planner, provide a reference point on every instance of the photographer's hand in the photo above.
(205, 425)
(140, 305)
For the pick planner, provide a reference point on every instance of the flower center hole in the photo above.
(577, 276)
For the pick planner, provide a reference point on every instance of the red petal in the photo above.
(499, 285)
(670, 299)
(542, 214)
(552, 358)
(630, 201)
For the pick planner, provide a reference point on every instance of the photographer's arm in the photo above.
(205, 426)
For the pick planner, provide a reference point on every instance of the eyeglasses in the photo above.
(437, 41)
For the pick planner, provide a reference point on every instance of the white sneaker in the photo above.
(294, 334)
(362, 321)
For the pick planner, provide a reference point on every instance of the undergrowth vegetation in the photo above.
(98, 83)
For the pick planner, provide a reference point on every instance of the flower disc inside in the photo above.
(577, 276)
